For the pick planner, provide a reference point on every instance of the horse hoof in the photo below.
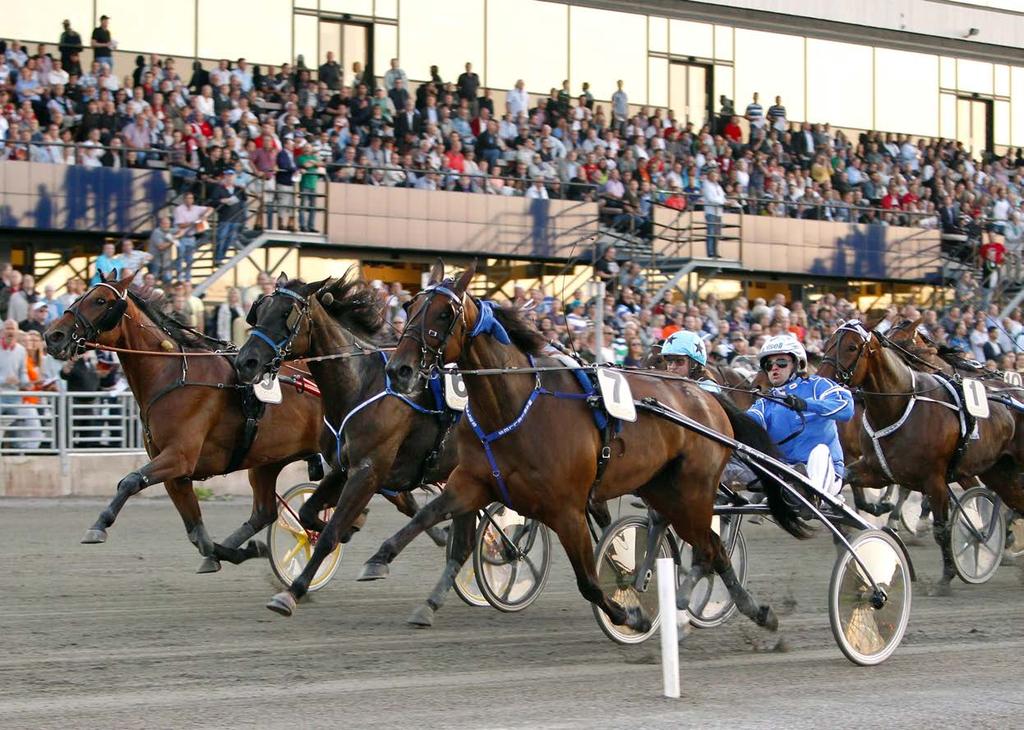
(259, 547)
(422, 617)
(209, 565)
(636, 620)
(373, 570)
(94, 537)
(766, 618)
(283, 603)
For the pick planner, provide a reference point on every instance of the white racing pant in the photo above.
(821, 472)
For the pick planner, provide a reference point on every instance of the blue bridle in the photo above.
(282, 348)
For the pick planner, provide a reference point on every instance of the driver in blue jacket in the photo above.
(801, 419)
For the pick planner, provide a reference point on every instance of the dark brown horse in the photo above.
(192, 415)
(921, 427)
(541, 448)
(380, 440)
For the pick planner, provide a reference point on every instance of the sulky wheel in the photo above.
(868, 626)
(291, 546)
(977, 535)
(465, 584)
(620, 555)
(1014, 535)
(711, 605)
(511, 571)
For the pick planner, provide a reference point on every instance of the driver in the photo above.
(802, 419)
(686, 355)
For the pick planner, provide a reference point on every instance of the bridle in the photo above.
(432, 355)
(845, 373)
(90, 331)
(298, 314)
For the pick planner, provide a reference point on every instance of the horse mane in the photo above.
(523, 334)
(355, 305)
(179, 333)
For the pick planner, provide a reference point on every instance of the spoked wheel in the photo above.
(511, 571)
(465, 584)
(711, 604)
(620, 555)
(910, 513)
(977, 535)
(1014, 535)
(869, 627)
(291, 546)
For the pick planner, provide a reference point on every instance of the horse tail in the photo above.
(748, 431)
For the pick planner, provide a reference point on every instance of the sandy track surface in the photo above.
(127, 635)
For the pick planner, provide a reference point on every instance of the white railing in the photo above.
(63, 423)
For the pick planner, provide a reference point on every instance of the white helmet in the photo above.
(784, 345)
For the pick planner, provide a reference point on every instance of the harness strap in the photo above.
(276, 346)
(253, 410)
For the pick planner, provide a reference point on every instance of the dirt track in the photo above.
(127, 635)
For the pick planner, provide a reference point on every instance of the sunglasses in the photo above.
(782, 362)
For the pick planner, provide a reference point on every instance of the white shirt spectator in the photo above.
(537, 191)
(714, 197)
(518, 102)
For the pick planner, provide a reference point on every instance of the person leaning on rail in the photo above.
(802, 412)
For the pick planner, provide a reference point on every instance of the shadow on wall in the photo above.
(862, 253)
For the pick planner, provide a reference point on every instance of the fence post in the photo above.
(669, 633)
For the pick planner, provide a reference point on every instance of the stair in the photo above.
(267, 236)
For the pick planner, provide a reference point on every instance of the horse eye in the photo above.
(446, 315)
(101, 301)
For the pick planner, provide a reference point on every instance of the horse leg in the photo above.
(573, 533)
(327, 493)
(939, 499)
(406, 504)
(463, 532)
(184, 498)
(263, 480)
(462, 494)
(166, 466)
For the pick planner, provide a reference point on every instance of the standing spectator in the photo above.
(102, 44)
(80, 376)
(607, 270)
(244, 74)
(777, 115)
(284, 197)
(229, 201)
(23, 295)
(228, 314)
(133, 261)
(714, 200)
(468, 85)
(13, 377)
(399, 97)
(190, 222)
(74, 288)
(36, 320)
(330, 72)
(161, 249)
(620, 106)
(54, 304)
(70, 43)
(309, 164)
(755, 115)
(264, 166)
(395, 73)
(518, 101)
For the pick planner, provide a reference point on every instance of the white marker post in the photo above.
(669, 633)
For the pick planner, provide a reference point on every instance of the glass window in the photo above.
(975, 76)
(443, 34)
(947, 116)
(906, 92)
(690, 39)
(657, 81)
(306, 38)
(947, 72)
(40, 21)
(385, 8)
(545, 63)
(723, 43)
(1001, 123)
(657, 34)
(1017, 106)
(306, 4)
(262, 42)
(1002, 80)
(723, 84)
(165, 29)
(591, 31)
(839, 84)
(385, 47)
(355, 7)
(771, 65)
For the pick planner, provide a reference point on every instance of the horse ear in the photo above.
(282, 279)
(916, 323)
(437, 272)
(467, 276)
(126, 280)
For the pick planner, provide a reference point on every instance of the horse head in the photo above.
(93, 317)
(848, 353)
(441, 318)
(281, 329)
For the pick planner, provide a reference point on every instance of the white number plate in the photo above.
(455, 394)
(617, 395)
(1012, 378)
(975, 398)
(268, 390)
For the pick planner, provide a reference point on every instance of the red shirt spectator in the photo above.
(993, 251)
(891, 201)
(733, 132)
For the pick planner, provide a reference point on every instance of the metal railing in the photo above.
(43, 422)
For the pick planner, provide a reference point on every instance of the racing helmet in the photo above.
(784, 345)
(686, 344)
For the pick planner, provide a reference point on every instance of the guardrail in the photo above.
(44, 422)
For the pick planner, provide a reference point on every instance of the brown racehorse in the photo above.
(920, 452)
(540, 454)
(192, 415)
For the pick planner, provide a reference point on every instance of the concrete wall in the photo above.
(97, 475)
